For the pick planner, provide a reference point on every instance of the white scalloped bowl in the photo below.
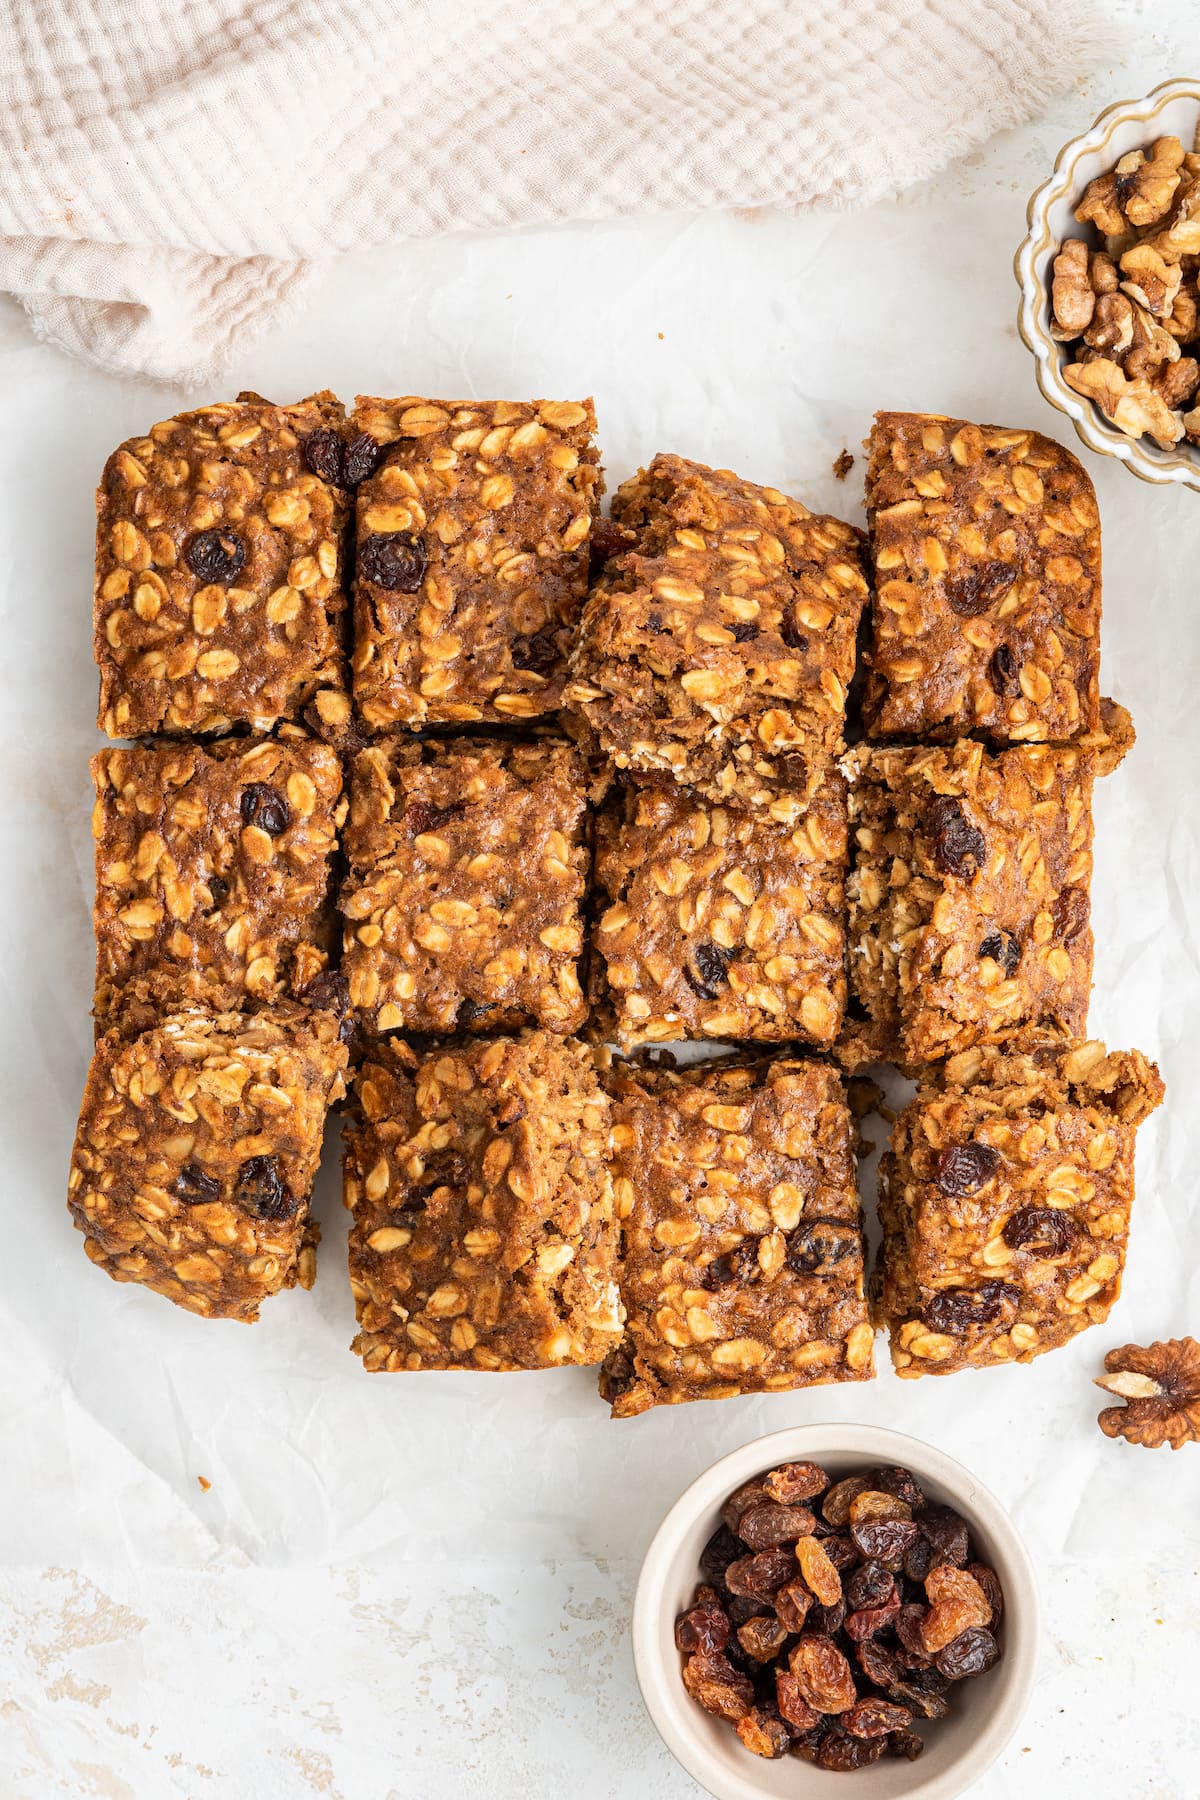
(984, 1712)
(1172, 109)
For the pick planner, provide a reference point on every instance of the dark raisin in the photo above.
(328, 992)
(703, 1627)
(721, 1549)
(806, 1744)
(870, 1585)
(1002, 669)
(1047, 1229)
(259, 1188)
(868, 1621)
(948, 1536)
(818, 1245)
(908, 1624)
(790, 632)
(361, 455)
(654, 623)
(743, 632)
(617, 1375)
(473, 1017)
(219, 889)
(710, 971)
(874, 1718)
(919, 1560)
(196, 1188)
(767, 1524)
(978, 588)
(760, 1575)
(958, 846)
(1003, 948)
(215, 556)
(736, 1266)
(920, 1700)
(827, 1619)
(394, 560)
(1072, 910)
(607, 540)
(891, 1479)
(993, 1593)
(840, 1752)
(959, 1309)
(323, 454)
(840, 1551)
(744, 1607)
(906, 1744)
(419, 816)
(972, 1652)
(540, 653)
(264, 806)
(962, 1169)
(879, 1663)
(884, 1540)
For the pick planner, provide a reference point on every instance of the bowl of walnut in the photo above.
(834, 1599)
(1108, 276)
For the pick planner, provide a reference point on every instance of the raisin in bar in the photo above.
(718, 645)
(219, 573)
(468, 864)
(472, 557)
(986, 615)
(968, 894)
(742, 1249)
(721, 922)
(212, 874)
(1005, 1203)
(483, 1234)
(197, 1146)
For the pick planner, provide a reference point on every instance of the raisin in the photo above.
(323, 454)
(828, 1620)
(792, 1704)
(419, 816)
(703, 1627)
(875, 1717)
(822, 1673)
(901, 1482)
(259, 1188)
(962, 1169)
(470, 1016)
(394, 560)
(264, 806)
(762, 1638)
(444, 1169)
(721, 1549)
(909, 1621)
(819, 1245)
(1047, 1229)
(195, 1187)
(710, 972)
(763, 1734)
(993, 1593)
(836, 1504)
(743, 1607)
(873, 1503)
(839, 1550)
(919, 1560)
(906, 1744)
(1071, 913)
(717, 1685)
(1002, 669)
(792, 1604)
(879, 1663)
(868, 1621)
(806, 1745)
(870, 1585)
(973, 592)
(1003, 948)
(362, 454)
(819, 1573)
(215, 556)
(762, 1526)
(219, 892)
(947, 1533)
(761, 1574)
(958, 1604)
(958, 846)
(540, 653)
(972, 1652)
(884, 1540)
(739, 1265)
(328, 992)
(928, 1704)
(841, 1753)
(790, 632)
(607, 540)
(751, 1493)
(795, 1481)
(956, 1310)
(654, 623)
(743, 633)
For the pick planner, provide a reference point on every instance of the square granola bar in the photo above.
(468, 865)
(472, 557)
(197, 1146)
(219, 573)
(212, 874)
(721, 922)
(483, 1233)
(718, 645)
(1005, 1203)
(742, 1249)
(987, 564)
(968, 893)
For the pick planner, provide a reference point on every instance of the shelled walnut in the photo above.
(1160, 1385)
(1127, 306)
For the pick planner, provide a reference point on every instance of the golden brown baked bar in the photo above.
(742, 1250)
(196, 1151)
(212, 874)
(986, 615)
(968, 893)
(219, 573)
(472, 557)
(483, 1233)
(717, 651)
(719, 922)
(468, 864)
(1005, 1203)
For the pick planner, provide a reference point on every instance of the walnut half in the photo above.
(1161, 1387)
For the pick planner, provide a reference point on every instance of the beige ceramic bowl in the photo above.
(1172, 109)
(984, 1711)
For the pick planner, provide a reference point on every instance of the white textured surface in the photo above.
(419, 1588)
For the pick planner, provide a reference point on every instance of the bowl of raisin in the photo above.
(833, 1600)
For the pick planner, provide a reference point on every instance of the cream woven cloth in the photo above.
(170, 170)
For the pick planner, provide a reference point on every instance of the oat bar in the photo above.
(969, 893)
(219, 573)
(720, 922)
(986, 615)
(212, 874)
(1005, 1203)
(483, 1233)
(197, 1146)
(468, 863)
(718, 649)
(742, 1250)
(472, 557)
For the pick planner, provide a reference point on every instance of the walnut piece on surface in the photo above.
(1160, 1384)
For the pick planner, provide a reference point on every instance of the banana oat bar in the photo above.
(1005, 1203)
(472, 557)
(717, 646)
(986, 615)
(721, 922)
(742, 1249)
(197, 1146)
(468, 864)
(219, 572)
(212, 874)
(968, 893)
(483, 1233)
